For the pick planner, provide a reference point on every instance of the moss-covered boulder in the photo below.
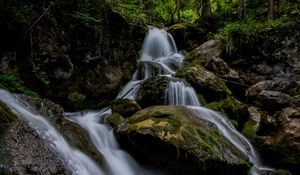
(152, 91)
(234, 109)
(204, 82)
(6, 117)
(125, 107)
(176, 140)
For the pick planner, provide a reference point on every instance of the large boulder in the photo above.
(204, 82)
(174, 139)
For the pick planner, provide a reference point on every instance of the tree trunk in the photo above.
(178, 10)
(271, 9)
(206, 10)
(242, 10)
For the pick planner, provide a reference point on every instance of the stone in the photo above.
(125, 107)
(152, 91)
(174, 139)
(206, 51)
(280, 147)
(204, 82)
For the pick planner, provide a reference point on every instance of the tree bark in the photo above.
(271, 9)
(178, 10)
(242, 10)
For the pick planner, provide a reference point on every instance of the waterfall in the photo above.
(179, 94)
(159, 58)
(102, 137)
(73, 159)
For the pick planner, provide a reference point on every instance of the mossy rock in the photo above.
(174, 139)
(125, 107)
(13, 84)
(152, 91)
(233, 108)
(204, 82)
(6, 117)
(114, 119)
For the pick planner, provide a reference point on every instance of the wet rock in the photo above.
(252, 125)
(28, 153)
(152, 91)
(176, 140)
(234, 109)
(125, 107)
(73, 132)
(204, 82)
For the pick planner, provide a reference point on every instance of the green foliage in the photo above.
(15, 85)
(235, 33)
(188, 15)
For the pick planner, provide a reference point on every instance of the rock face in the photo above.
(204, 81)
(152, 91)
(278, 139)
(125, 107)
(24, 152)
(29, 154)
(78, 54)
(172, 138)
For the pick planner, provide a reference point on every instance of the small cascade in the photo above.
(179, 94)
(159, 55)
(117, 161)
(157, 44)
(73, 159)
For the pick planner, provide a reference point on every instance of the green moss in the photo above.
(217, 106)
(114, 119)
(234, 123)
(6, 117)
(249, 129)
(13, 84)
(201, 99)
(125, 107)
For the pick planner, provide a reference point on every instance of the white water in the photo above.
(73, 159)
(179, 94)
(159, 57)
(117, 161)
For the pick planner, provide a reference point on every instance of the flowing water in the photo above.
(74, 160)
(159, 58)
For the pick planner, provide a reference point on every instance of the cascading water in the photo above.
(102, 137)
(159, 58)
(179, 94)
(74, 160)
